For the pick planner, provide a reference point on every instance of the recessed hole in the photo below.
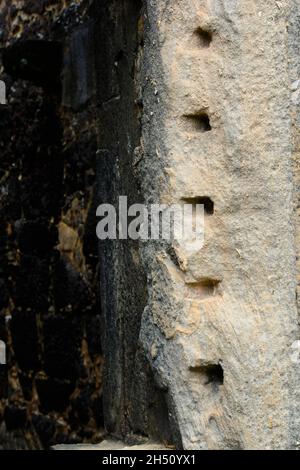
(211, 374)
(206, 201)
(199, 121)
(205, 37)
(205, 288)
(215, 374)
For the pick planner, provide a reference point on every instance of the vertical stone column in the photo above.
(293, 28)
(219, 323)
(122, 280)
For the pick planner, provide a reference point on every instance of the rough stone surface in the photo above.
(51, 388)
(111, 445)
(223, 359)
(165, 102)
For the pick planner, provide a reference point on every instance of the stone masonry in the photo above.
(219, 324)
(165, 101)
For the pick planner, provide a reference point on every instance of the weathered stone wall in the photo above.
(165, 102)
(220, 322)
(293, 28)
(51, 388)
(122, 285)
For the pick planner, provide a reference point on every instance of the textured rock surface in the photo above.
(223, 360)
(123, 283)
(50, 390)
(164, 101)
(111, 445)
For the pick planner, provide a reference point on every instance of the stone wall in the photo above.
(165, 102)
(220, 323)
(51, 388)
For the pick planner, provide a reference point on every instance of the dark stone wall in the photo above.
(119, 37)
(134, 405)
(70, 139)
(51, 388)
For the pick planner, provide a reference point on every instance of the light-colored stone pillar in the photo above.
(220, 322)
